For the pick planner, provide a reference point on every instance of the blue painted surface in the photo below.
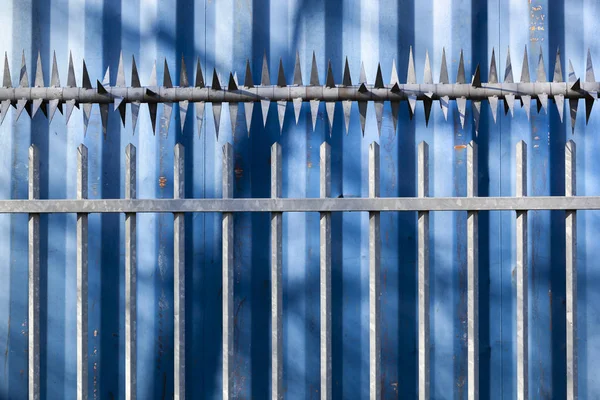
(224, 33)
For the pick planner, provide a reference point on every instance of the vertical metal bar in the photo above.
(82, 276)
(227, 276)
(472, 277)
(276, 273)
(423, 222)
(34, 278)
(571, 272)
(179, 273)
(522, 279)
(130, 278)
(325, 271)
(374, 278)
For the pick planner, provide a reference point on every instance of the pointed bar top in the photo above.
(444, 68)
(411, 76)
(232, 85)
(297, 71)
(71, 81)
(54, 80)
(120, 73)
(23, 79)
(541, 69)
(379, 78)
(493, 75)
(215, 81)
(314, 72)
(476, 81)
(394, 75)
(7, 82)
(248, 82)
(265, 80)
(135, 77)
(329, 82)
(558, 75)
(460, 76)
(525, 78)
(85, 78)
(347, 80)
(508, 73)
(39, 72)
(363, 74)
(167, 82)
(589, 69)
(427, 76)
(281, 75)
(199, 76)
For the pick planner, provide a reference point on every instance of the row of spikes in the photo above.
(119, 104)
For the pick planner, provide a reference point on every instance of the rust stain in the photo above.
(162, 182)
(460, 147)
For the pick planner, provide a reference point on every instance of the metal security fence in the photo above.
(325, 205)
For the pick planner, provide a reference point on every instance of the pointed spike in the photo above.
(576, 85)
(248, 108)
(167, 82)
(411, 76)
(235, 79)
(101, 88)
(444, 69)
(70, 106)
(541, 69)
(412, 102)
(297, 109)
(427, 104)
(199, 116)
(314, 111)
(494, 106)
(314, 72)
(54, 80)
(347, 107)
(395, 88)
(281, 107)
(217, 116)
(493, 75)
(461, 103)
(329, 82)
(379, 115)
(330, 108)
(183, 109)
(4, 110)
(589, 104)
(427, 76)
(476, 81)
(297, 71)
(543, 102)
(444, 104)
(135, 77)
(248, 82)
(363, 74)
(526, 100)
(23, 79)
(117, 102)
(589, 69)
(559, 99)
(53, 106)
(135, 113)
(87, 112)
(36, 106)
(104, 118)
(509, 101)
(121, 72)
(363, 88)
(460, 76)
(153, 110)
(558, 75)
(281, 75)
(232, 85)
(233, 116)
(183, 76)
(264, 107)
(165, 120)
(572, 78)
(20, 107)
(573, 104)
(199, 76)
(39, 72)
(85, 79)
(379, 78)
(508, 72)
(153, 82)
(216, 85)
(362, 111)
(106, 80)
(525, 78)
(347, 80)
(7, 83)
(265, 79)
(476, 104)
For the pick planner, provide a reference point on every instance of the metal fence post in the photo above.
(522, 279)
(571, 272)
(472, 277)
(325, 272)
(276, 273)
(34, 278)
(179, 273)
(227, 275)
(423, 271)
(374, 278)
(82, 277)
(130, 278)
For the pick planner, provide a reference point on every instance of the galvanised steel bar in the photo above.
(130, 277)
(34, 278)
(571, 272)
(381, 204)
(374, 279)
(325, 274)
(472, 278)
(179, 274)
(522, 277)
(82, 276)
(228, 244)
(276, 279)
(423, 273)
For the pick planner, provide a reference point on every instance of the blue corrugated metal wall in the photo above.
(224, 33)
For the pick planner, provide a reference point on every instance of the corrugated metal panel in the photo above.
(224, 33)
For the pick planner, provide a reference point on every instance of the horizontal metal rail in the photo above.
(381, 204)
